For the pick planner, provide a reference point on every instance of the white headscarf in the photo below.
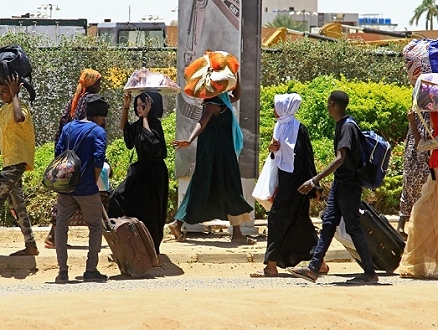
(286, 129)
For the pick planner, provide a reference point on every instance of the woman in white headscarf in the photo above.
(291, 234)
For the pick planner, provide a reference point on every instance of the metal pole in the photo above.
(250, 59)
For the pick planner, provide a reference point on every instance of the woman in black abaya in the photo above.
(291, 234)
(144, 193)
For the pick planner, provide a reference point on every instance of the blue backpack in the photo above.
(376, 152)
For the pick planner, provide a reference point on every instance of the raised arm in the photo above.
(13, 82)
(127, 97)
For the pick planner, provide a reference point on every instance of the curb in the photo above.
(31, 263)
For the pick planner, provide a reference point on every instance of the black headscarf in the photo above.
(157, 104)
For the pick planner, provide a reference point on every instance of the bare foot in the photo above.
(263, 273)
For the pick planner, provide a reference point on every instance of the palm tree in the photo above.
(427, 7)
(285, 20)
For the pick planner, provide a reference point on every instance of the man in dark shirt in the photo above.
(344, 197)
(85, 197)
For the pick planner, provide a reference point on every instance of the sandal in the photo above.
(179, 236)
(261, 274)
(29, 251)
(244, 240)
(304, 273)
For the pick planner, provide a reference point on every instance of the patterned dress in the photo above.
(415, 169)
(420, 258)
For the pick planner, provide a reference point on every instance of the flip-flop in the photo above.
(303, 273)
(244, 241)
(181, 238)
(261, 274)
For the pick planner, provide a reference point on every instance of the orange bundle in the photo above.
(211, 75)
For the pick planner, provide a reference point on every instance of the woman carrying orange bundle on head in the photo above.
(215, 190)
(89, 83)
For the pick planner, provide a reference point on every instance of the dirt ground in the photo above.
(304, 306)
(178, 296)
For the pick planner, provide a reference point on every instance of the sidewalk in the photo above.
(199, 247)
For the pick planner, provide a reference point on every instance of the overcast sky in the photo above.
(94, 11)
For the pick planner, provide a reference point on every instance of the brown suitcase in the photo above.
(131, 244)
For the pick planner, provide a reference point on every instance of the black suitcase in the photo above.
(385, 244)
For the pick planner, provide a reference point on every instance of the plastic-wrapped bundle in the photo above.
(212, 74)
(144, 80)
(425, 97)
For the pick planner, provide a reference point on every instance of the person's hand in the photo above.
(13, 82)
(144, 110)
(318, 194)
(274, 146)
(178, 144)
(306, 187)
(127, 97)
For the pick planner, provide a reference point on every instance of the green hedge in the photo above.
(377, 85)
(388, 117)
(376, 106)
(56, 70)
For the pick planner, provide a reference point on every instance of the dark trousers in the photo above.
(343, 201)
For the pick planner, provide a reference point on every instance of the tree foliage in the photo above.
(427, 8)
(285, 20)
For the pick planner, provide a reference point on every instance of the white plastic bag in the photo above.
(266, 184)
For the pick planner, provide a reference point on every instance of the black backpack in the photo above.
(13, 60)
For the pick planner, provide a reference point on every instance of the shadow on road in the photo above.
(17, 267)
(167, 269)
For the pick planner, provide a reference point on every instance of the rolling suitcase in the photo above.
(131, 245)
(385, 244)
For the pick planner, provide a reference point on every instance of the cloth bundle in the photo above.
(420, 56)
(212, 74)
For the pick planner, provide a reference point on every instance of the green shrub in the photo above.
(377, 85)
(304, 60)
(376, 106)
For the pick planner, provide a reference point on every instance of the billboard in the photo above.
(202, 25)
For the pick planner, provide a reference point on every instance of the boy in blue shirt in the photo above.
(86, 195)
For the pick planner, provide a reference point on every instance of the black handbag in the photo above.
(13, 60)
